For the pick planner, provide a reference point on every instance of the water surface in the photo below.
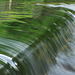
(37, 39)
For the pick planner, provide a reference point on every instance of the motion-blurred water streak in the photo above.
(37, 39)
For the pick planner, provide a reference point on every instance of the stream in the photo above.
(37, 38)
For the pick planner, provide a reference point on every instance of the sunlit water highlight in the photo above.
(7, 59)
(64, 5)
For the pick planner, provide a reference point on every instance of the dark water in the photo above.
(37, 39)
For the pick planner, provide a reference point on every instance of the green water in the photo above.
(37, 38)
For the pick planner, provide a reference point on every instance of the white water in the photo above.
(64, 5)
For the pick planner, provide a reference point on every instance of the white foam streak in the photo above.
(69, 6)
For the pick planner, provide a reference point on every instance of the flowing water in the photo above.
(37, 39)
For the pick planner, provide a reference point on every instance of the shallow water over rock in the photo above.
(37, 39)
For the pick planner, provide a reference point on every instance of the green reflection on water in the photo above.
(32, 37)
